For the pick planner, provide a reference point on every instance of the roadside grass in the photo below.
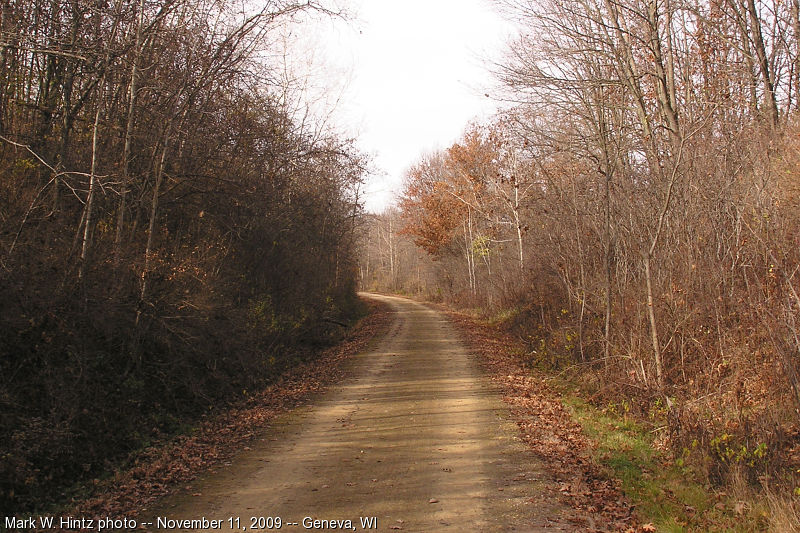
(667, 493)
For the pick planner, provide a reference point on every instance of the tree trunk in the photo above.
(665, 88)
(126, 150)
(763, 64)
(609, 265)
(796, 65)
(153, 215)
(651, 316)
(87, 229)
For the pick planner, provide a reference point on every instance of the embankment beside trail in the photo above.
(215, 435)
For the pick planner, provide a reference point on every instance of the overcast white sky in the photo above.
(410, 76)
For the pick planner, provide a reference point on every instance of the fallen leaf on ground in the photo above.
(165, 466)
(548, 429)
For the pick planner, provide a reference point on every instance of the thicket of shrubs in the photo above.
(170, 236)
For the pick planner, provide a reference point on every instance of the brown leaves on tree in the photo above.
(431, 212)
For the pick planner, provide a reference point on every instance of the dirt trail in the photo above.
(416, 438)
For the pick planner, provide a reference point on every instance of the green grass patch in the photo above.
(666, 492)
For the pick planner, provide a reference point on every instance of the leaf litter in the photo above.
(596, 501)
(162, 468)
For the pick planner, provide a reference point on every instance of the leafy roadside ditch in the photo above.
(161, 468)
(608, 468)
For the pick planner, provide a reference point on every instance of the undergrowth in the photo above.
(724, 460)
(666, 491)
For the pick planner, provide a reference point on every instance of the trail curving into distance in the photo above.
(416, 438)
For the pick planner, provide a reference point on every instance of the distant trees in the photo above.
(635, 214)
(468, 198)
(388, 259)
(168, 227)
